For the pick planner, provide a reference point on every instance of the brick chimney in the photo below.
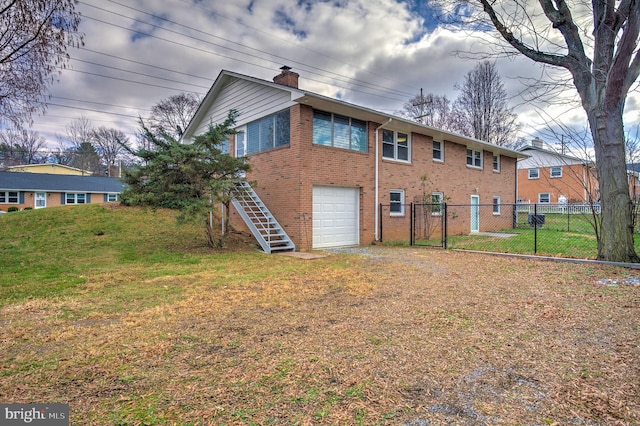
(287, 77)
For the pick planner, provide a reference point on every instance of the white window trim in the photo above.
(440, 196)
(548, 196)
(441, 159)
(7, 196)
(496, 213)
(401, 212)
(242, 133)
(529, 173)
(395, 148)
(497, 170)
(551, 172)
(473, 157)
(75, 197)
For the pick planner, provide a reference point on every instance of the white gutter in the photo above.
(377, 190)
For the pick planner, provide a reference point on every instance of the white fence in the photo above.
(560, 208)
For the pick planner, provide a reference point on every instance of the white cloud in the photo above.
(371, 52)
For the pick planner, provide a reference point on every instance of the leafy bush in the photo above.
(28, 208)
(12, 209)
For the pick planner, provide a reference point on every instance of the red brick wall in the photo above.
(452, 178)
(571, 184)
(285, 178)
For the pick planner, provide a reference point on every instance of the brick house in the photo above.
(39, 190)
(547, 176)
(323, 166)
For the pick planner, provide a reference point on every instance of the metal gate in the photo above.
(429, 225)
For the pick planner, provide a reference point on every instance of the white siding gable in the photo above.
(252, 100)
(546, 159)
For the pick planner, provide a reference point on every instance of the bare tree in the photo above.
(34, 37)
(75, 148)
(110, 144)
(597, 44)
(21, 147)
(79, 131)
(63, 154)
(172, 115)
(481, 109)
(430, 109)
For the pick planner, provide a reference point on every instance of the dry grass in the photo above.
(397, 336)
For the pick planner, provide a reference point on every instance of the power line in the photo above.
(138, 73)
(349, 79)
(229, 57)
(100, 103)
(91, 110)
(317, 52)
(132, 81)
(344, 79)
(208, 79)
(370, 87)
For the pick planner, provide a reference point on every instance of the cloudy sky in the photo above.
(375, 53)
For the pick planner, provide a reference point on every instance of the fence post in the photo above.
(444, 226)
(411, 225)
(535, 228)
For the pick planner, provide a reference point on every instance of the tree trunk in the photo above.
(616, 237)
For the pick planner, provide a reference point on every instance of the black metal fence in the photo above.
(562, 230)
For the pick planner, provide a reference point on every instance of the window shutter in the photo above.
(88, 198)
(21, 200)
(63, 198)
(105, 197)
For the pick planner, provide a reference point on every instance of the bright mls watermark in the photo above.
(34, 414)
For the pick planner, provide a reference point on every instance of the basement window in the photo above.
(396, 202)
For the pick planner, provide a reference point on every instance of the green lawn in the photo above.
(561, 236)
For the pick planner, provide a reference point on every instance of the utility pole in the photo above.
(563, 145)
(422, 102)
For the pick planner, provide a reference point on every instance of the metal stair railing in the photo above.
(264, 227)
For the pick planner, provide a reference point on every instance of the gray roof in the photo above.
(23, 181)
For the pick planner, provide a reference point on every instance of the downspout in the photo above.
(517, 181)
(377, 179)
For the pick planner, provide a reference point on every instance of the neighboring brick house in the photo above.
(39, 190)
(547, 177)
(633, 177)
(323, 166)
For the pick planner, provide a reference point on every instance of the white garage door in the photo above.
(335, 216)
